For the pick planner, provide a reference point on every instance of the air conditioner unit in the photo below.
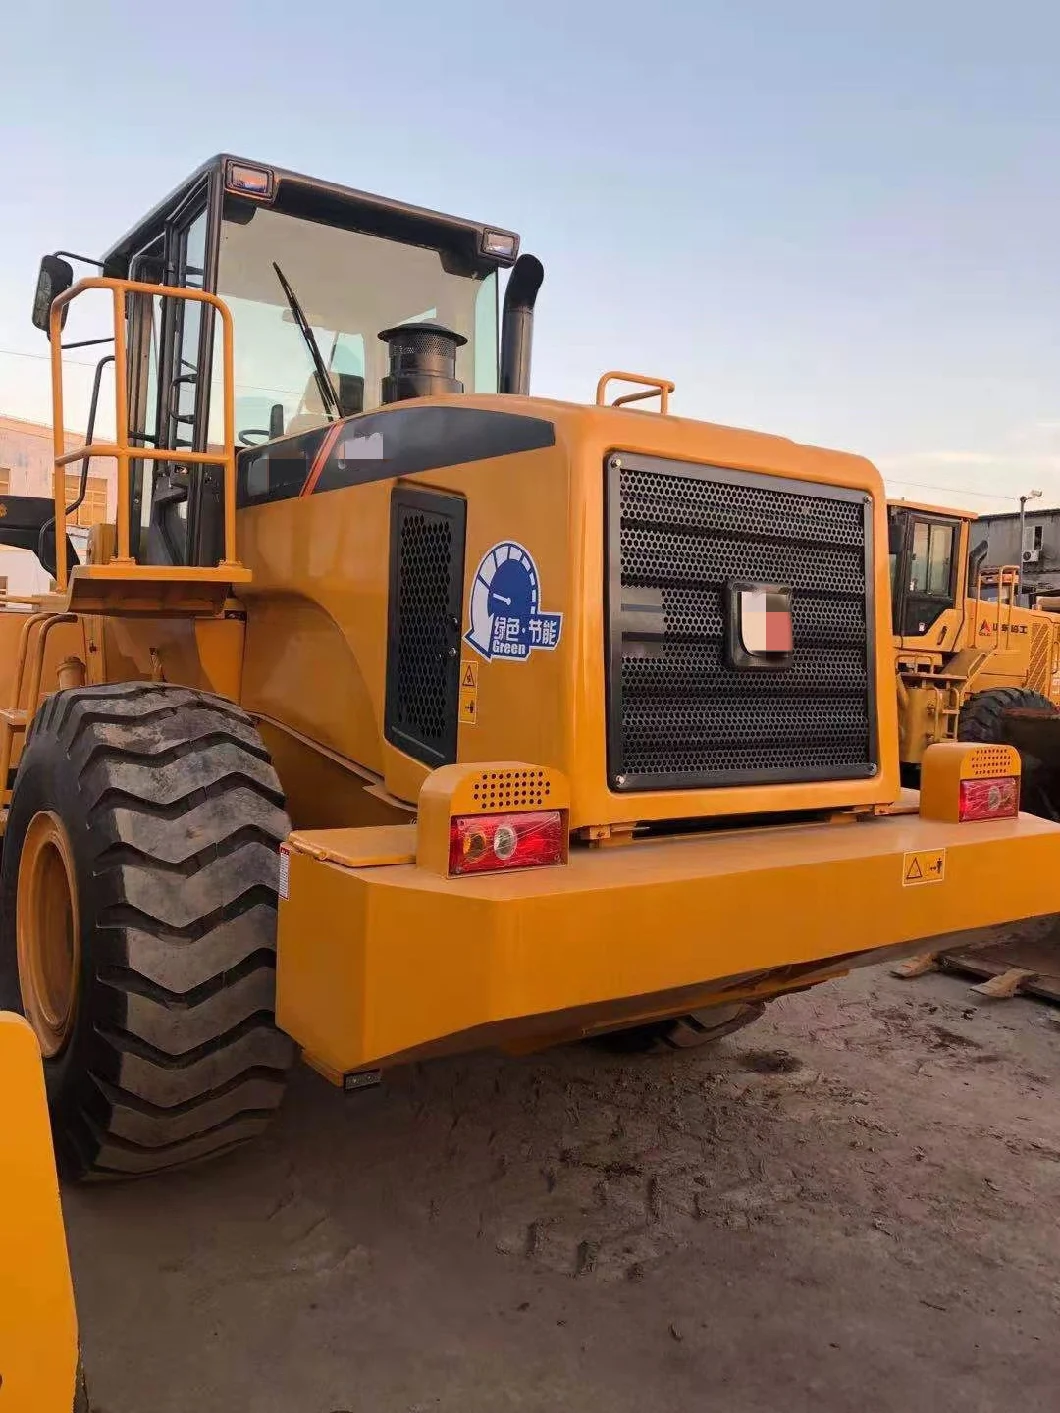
(1031, 556)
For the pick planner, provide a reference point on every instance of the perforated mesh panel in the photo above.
(679, 714)
(511, 790)
(989, 762)
(423, 658)
(420, 343)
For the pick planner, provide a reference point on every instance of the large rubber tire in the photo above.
(174, 815)
(981, 720)
(682, 1032)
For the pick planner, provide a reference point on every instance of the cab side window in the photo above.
(932, 560)
(928, 589)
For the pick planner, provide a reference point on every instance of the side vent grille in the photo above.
(423, 627)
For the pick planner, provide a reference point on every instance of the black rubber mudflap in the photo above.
(175, 815)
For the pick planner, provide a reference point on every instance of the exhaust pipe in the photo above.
(517, 327)
(976, 560)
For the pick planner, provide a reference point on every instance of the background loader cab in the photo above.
(927, 550)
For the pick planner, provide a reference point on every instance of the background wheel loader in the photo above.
(973, 664)
(400, 712)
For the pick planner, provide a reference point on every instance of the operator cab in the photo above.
(313, 274)
(926, 548)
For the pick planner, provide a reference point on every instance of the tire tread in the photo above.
(185, 814)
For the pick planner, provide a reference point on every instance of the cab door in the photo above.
(924, 578)
(170, 499)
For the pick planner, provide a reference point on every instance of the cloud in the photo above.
(988, 479)
(941, 458)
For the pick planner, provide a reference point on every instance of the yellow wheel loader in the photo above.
(973, 663)
(401, 712)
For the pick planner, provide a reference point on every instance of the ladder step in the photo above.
(15, 717)
(939, 677)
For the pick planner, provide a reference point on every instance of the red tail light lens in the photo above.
(491, 843)
(990, 799)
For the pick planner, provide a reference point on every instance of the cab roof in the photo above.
(482, 246)
(900, 504)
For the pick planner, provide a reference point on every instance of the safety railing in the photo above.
(121, 450)
(654, 387)
(1006, 581)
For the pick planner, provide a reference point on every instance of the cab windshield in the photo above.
(351, 286)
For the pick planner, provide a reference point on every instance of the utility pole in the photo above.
(1033, 495)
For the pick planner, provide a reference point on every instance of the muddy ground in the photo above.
(851, 1206)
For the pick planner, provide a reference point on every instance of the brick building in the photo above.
(26, 470)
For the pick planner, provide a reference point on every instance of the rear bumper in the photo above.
(388, 959)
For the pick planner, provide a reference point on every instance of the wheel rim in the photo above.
(48, 931)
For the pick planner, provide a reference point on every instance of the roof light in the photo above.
(501, 244)
(251, 181)
(492, 843)
(990, 799)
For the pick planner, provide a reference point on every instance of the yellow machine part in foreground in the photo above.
(38, 1322)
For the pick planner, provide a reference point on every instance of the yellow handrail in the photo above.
(1006, 579)
(656, 387)
(120, 448)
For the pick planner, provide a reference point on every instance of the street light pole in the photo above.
(1034, 495)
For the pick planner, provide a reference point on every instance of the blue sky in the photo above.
(836, 221)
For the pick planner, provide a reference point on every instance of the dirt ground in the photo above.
(850, 1206)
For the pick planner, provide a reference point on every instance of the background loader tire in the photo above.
(682, 1032)
(174, 814)
(981, 720)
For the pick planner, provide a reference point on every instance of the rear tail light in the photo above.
(492, 843)
(990, 799)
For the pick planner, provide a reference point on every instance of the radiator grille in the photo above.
(1038, 670)
(423, 639)
(679, 715)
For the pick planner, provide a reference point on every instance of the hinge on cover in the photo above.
(606, 836)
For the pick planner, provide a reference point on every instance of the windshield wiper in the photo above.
(320, 373)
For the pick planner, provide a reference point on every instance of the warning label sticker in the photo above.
(925, 866)
(468, 713)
